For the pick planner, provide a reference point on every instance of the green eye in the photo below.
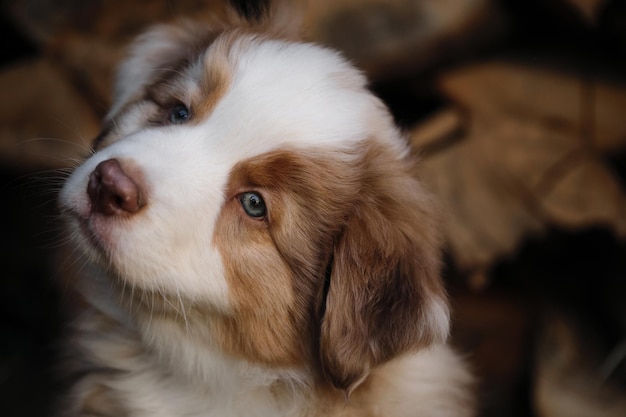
(253, 204)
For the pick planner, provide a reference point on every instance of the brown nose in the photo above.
(113, 192)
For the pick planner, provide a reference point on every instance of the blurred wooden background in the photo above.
(517, 109)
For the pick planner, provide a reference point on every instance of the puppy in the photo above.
(257, 244)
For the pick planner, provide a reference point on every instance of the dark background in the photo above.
(551, 311)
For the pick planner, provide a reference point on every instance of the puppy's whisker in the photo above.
(132, 293)
(67, 264)
(83, 147)
(152, 300)
(74, 128)
(115, 124)
(132, 297)
(184, 313)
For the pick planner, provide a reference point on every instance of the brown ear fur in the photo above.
(385, 296)
(156, 54)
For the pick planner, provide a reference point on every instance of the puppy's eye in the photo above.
(179, 114)
(253, 204)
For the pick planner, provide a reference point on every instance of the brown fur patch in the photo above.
(199, 81)
(364, 212)
(169, 81)
(276, 266)
(214, 81)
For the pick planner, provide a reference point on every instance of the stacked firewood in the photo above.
(519, 133)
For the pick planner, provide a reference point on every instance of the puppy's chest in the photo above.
(143, 396)
(165, 400)
(127, 379)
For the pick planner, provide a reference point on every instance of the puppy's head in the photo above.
(254, 186)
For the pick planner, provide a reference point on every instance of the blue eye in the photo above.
(179, 114)
(253, 204)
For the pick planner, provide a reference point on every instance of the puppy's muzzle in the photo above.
(112, 191)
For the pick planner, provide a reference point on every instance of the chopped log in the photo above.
(45, 122)
(589, 9)
(579, 105)
(608, 121)
(567, 382)
(438, 131)
(497, 329)
(386, 38)
(520, 165)
(390, 38)
(90, 64)
(116, 20)
(486, 215)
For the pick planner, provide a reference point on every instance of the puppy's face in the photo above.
(257, 183)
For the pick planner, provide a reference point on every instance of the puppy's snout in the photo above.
(112, 191)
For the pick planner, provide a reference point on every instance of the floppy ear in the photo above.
(385, 295)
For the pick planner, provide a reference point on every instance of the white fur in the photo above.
(281, 96)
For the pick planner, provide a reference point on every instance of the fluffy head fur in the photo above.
(202, 308)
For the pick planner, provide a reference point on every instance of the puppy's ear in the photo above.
(385, 296)
(154, 55)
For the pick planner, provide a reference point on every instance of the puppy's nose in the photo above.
(112, 191)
